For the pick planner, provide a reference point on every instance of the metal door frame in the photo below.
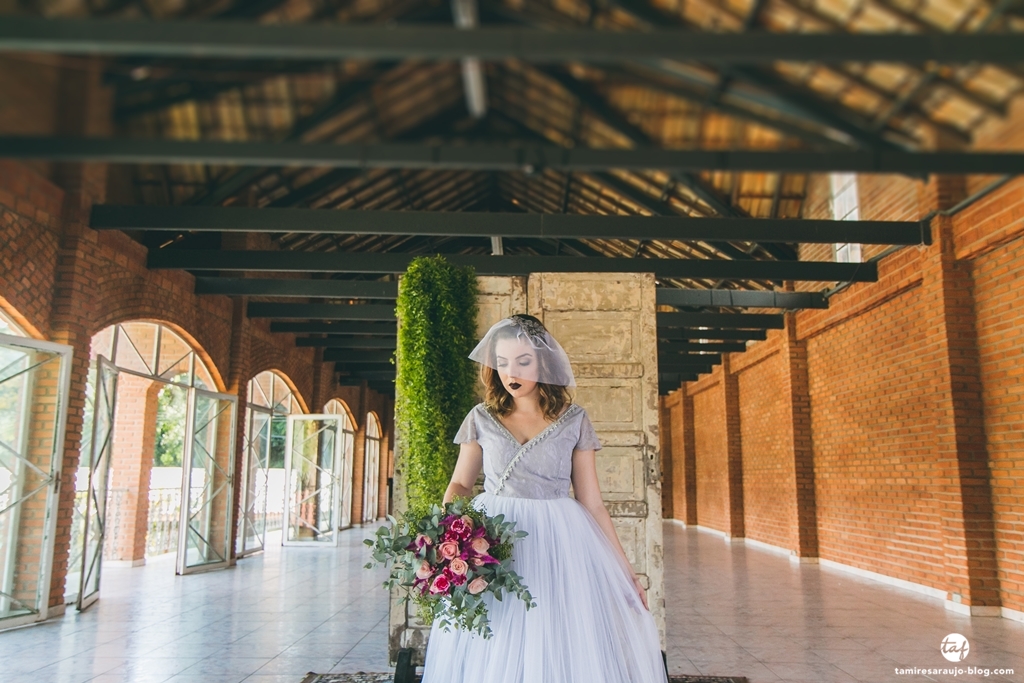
(336, 489)
(83, 601)
(244, 487)
(53, 485)
(181, 560)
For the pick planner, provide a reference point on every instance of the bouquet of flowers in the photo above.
(447, 559)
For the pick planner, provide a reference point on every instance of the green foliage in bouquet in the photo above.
(435, 382)
(413, 545)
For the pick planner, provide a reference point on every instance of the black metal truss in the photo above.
(384, 329)
(250, 40)
(483, 224)
(527, 158)
(259, 309)
(769, 321)
(362, 262)
(305, 288)
(348, 342)
(673, 296)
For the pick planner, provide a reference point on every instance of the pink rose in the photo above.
(459, 566)
(424, 571)
(448, 549)
(477, 585)
(441, 584)
(480, 545)
(476, 561)
(422, 540)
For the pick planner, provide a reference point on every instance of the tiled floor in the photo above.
(741, 610)
(732, 609)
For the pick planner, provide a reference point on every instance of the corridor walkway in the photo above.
(732, 609)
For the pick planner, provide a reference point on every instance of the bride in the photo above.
(591, 623)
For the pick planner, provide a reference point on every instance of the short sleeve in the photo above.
(467, 432)
(588, 437)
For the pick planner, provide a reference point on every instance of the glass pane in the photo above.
(253, 523)
(312, 480)
(174, 361)
(207, 532)
(136, 347)
(347, 454)
(31, 403)
(99, 471)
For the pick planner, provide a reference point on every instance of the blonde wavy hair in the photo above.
(553, 397)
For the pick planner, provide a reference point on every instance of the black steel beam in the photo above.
(675, 296)
(363, 262)
(371, 375)
(355, 289)
(555, 226)
(384, 329)
(769, 321)
(348, 342)
(695, 347)
(673, 357)
(250, 40)
(684, 367)
(482, 157)
(352, 356)
(676, 376)
(259, 309)
(682, 334)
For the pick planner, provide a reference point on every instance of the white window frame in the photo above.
(845, 200)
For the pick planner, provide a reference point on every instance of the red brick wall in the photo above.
(901, 453)
(65, 282)
(711, 451)
(768, 480)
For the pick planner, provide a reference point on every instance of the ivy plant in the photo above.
(435, 381)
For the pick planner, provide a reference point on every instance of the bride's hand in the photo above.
(640, 591)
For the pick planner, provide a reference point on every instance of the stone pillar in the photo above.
(497, 298)
(607, 325)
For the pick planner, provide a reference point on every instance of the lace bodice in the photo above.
(539, 468)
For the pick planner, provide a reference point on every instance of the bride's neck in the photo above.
(527, 405)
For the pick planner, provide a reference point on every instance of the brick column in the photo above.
(964, 490)
(734, 448)
(84, 110)
(238, 385)
(131, 464)
(665, 404)
(805, 524)
(359, 457)
(684, 464)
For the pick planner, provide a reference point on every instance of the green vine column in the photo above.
(435, 380)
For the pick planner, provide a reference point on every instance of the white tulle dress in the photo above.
(589, 625)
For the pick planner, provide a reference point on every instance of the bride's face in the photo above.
(517, 366)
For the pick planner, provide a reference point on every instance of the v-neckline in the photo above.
(541, 433)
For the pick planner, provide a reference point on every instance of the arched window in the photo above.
(174, 435)
(153, 350)
(371, 468)
(270, 401)
(8, 326)
(336, 407)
